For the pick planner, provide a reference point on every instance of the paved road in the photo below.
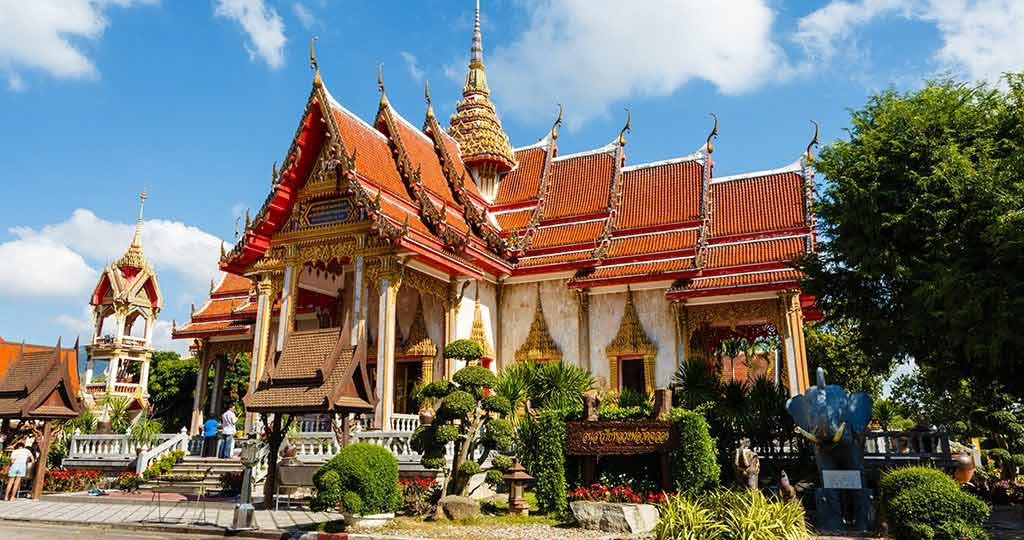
(32, 531)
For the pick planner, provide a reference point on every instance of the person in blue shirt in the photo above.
(210, 428)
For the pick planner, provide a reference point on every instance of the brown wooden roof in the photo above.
(41, 384)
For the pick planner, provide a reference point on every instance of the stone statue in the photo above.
(747, 465)
(835, 422)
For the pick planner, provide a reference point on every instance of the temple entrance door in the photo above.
(632, 375)
(407, 377)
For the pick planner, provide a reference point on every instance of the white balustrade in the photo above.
(312, 423)
(405, 422)
(314, 446)
(167, 444)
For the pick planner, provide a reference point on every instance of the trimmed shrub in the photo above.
(899, 480)
(496, 404)
(695, 468)
(474, 377)
(456, 405)
(362, 479)
(466, 350)
(933, 504)
(543, 455)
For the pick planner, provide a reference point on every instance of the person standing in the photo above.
(227, 432)
(210, 428)
(21, 458)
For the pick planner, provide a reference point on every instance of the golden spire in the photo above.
(133, 257)
(475, 124)
(478, 333)
(313, 63)
(539, 345)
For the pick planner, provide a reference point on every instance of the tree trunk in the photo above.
(274, 440)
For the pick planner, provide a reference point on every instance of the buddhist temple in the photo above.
(358, 267)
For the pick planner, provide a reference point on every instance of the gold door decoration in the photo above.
(631, 341)
(418, 345)
(539, 345)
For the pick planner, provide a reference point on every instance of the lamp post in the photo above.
(517, 479)
(244, 511)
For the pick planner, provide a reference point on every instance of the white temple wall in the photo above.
(518, 304)
(655, 313)
(489, 315)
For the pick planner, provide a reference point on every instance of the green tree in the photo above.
(835, 346)
(921, 239)
(172, 382)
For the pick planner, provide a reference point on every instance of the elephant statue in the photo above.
(835, 422)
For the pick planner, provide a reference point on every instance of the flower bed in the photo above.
(419, 495)
(128, 481)
(616, 494)
(63, 480)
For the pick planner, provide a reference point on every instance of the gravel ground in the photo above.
(437, 531)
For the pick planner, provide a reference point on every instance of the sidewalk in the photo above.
(175, 515)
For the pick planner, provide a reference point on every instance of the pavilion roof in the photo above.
(41, 384)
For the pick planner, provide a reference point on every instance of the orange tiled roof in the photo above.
(755, 252)
(567, 234)
(373, 157)
(522, 183)
(656, 242)
(509, 221)
(579, 185)
(760, 203)
(747, 279)
(652, 269)
(661, 194)
(555, 258)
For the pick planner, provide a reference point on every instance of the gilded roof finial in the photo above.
(708, 145)
(814, 142)
(426, 95)
(133, 257)
(211, 286)
(274, 175)
(625, 129)
(476, 51)
(558, 122)
(221, 249)
(248, 219)
(380, 84)
(312, 54)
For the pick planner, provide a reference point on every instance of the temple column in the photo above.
(386, 352)
(286, 317)
(261, 335)
(90, 365)
(358, 312)
(217, 397)
(200, 392)
(583, 331)
(112, 368)
(793, 348)
(498, 290)
(144, 375)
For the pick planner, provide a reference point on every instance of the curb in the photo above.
(313, 535)
(265, 534)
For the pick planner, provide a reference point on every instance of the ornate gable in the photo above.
(539, 345)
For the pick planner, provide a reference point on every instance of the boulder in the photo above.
(615, 517)
(456, 507)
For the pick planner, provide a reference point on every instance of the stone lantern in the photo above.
(517, 479)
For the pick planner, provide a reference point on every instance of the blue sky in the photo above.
(193, 101)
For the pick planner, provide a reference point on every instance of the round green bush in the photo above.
(361, 475)
(434, 462)
(474, 377)
(695, 467)
(469, 468)
(464, 349)
(895, 481)
(502, 462)
(446, 433)
(436, 389)
(496, 404)
(455, 405)
(494, 478)
(933, 504)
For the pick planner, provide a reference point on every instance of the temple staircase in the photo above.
(196, 466)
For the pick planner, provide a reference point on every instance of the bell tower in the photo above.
(475, 124)
(125, 305)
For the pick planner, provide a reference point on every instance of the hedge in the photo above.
(898, 480)
(543, 454)
(695, 467)
(362, 479)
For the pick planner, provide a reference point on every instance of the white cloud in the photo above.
(306, 17)
(42, 267)
(413, 65)
(981, 39)
(590, 54)
(169, 245)
(262, 24)
(47, 35)
(821, 32)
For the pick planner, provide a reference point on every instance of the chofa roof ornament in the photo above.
(709, 147)
(808, 154)
(625, 129)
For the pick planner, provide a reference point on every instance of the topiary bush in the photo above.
(361, 479)
(695, 467)
(898, 480)
(465, 350)
(468, 420)
(924, 504)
